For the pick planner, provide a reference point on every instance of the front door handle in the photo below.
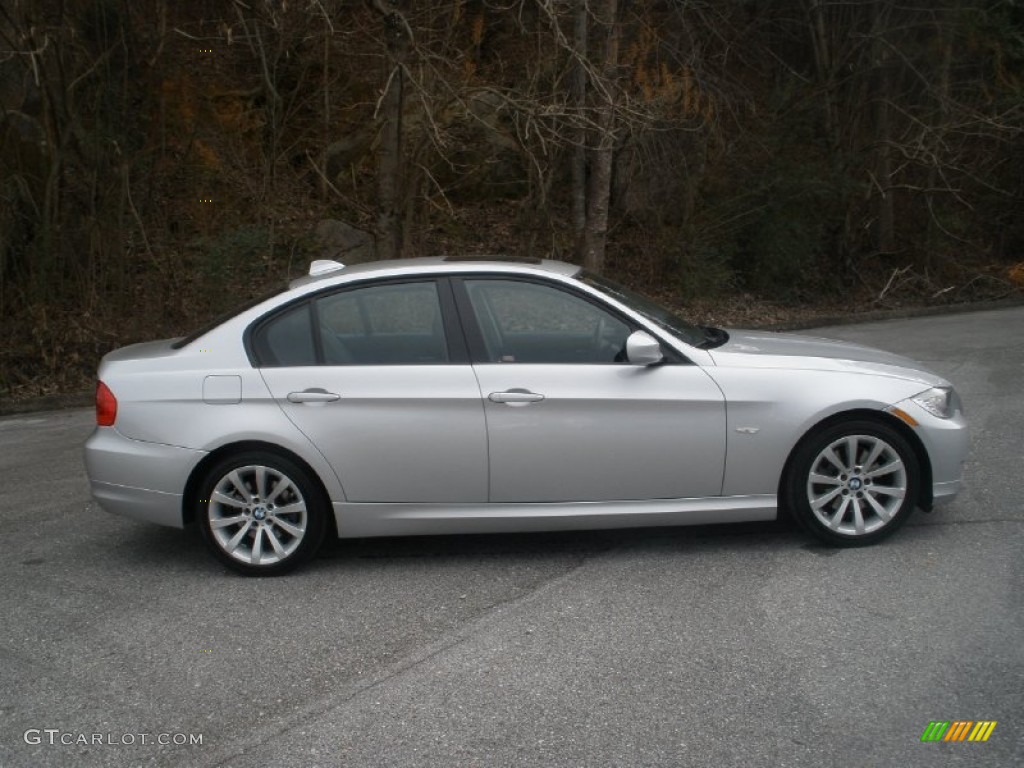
(313, 395)
(515, 397)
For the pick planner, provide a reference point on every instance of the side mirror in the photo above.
(643, 349)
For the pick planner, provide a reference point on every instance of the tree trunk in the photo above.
(934, 230)
(823, 62)
(579, 149)
(389, 169)
(883, 136)
(595, 231)
(389, 160)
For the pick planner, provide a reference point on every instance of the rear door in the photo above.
(377, 376)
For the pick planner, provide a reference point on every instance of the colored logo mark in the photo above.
(958, 730)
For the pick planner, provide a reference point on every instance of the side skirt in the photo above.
(356, 520)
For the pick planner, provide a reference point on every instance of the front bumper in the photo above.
(947, 442)
(138, 479)
(943, 492)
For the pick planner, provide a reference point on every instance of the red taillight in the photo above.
(106, 405)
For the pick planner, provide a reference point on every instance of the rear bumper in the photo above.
(139, 503)
(138, 479)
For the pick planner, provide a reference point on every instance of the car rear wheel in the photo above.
(853, 483)
(261, 514)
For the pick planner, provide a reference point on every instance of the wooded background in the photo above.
(160, 161)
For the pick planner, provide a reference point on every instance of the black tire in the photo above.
(261, 532)
(853, 483)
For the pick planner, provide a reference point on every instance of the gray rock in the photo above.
(343, 242)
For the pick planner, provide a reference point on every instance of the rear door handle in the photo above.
(312, 396)
(515, 397)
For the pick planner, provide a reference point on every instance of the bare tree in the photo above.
(398, 40)
(595, 231)
(581, 24)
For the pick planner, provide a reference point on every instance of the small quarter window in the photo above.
(286, 339)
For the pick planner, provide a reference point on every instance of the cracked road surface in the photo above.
(728, 645)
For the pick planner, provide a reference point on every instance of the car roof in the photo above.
(441, 265)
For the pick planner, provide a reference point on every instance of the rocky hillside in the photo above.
(162, 161)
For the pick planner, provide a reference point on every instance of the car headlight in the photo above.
(939, 401)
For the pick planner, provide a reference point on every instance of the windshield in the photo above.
(657, 314)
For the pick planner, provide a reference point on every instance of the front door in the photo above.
(568, 419)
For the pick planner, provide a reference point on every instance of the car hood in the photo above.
(784, 350)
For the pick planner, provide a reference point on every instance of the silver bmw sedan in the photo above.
(452, 395)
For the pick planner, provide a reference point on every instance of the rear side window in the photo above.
(286, 339)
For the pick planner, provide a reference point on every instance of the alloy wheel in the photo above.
(257, 515)
(857, 485)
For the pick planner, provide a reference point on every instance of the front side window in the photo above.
(528, 322)
(391, 324)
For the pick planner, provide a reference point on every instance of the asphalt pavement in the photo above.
(126, 644)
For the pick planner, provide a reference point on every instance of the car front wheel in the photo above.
(261, 514)
(853, 483)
